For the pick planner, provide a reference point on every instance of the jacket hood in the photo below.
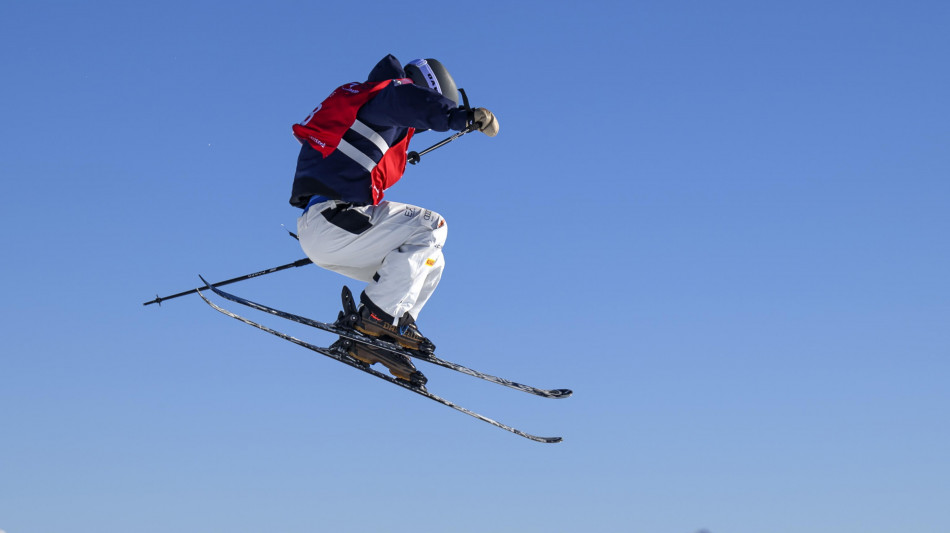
(388, 68)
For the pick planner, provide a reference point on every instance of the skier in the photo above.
(354, 147)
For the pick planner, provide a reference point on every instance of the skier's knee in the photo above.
(441, 230)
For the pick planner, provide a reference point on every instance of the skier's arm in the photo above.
(411, 106)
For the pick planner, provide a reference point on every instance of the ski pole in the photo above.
(300, 262)
(415, 157)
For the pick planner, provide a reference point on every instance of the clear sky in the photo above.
(723, 224)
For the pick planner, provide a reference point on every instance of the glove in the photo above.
(485, 121)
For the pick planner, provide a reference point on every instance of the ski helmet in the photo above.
(430, 73)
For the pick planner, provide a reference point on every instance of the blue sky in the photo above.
(723, 224)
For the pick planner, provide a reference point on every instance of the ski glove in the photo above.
(485, 121)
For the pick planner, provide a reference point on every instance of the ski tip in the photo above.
(561, 393)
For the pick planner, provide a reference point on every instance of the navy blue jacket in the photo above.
(390, 113)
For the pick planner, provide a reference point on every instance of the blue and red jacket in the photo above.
(371, 155)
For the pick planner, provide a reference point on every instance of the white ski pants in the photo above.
(395, 247)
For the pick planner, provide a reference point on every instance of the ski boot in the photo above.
(400, 366)
(406, 334)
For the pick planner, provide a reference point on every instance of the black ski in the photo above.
(366, 339)
(345, 358)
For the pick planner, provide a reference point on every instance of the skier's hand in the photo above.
(485, 121)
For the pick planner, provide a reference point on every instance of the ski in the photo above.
(348, 360)
(372, 341)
